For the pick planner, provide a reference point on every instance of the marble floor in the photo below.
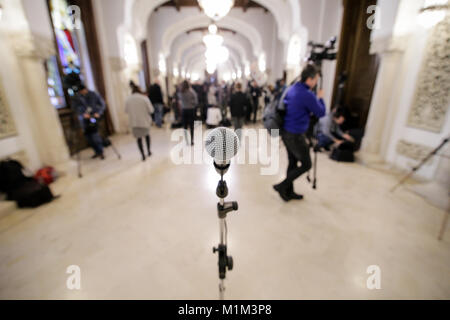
(146, 231)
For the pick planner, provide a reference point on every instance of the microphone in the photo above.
(222, 144)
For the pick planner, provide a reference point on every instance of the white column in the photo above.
(388, 82)
(32, 52)
(120, 89)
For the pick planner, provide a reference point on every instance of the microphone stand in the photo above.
(223, 208)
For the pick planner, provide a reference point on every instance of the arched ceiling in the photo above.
(286, 13)
(186, 41)
(200, 20)
(198, 64)
(199, 51)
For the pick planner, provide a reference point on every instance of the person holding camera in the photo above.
(90, 107)
(299, 103)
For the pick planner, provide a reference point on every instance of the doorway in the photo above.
(77, 60)
(356, 68)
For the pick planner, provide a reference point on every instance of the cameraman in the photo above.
(299, 102)
(90, 107)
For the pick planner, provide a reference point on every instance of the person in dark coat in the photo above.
(90, 107)
(239, 104)
(156, 98)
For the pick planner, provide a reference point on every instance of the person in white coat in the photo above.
(140, 109)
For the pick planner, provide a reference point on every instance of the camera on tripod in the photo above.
(320, 52)
(91, 123)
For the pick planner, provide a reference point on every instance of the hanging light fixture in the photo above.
(433, 12)
(216, 9)
(212, 28)
(247, 71)
(212, 40)
(215, 53)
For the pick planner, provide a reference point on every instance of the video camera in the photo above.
(320, 52)
(91, 123)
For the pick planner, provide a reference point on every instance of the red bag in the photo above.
(46, 175)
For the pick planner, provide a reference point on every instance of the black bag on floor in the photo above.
(27, 192)
(31, 194)
(342, 155)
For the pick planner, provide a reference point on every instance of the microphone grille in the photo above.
(222, 144)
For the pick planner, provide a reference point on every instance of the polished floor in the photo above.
(146, 231)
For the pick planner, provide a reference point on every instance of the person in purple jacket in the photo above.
(300, 102)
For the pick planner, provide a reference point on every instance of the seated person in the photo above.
(329, 132)
(214, 117)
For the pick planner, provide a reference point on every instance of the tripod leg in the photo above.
(80, 174)
(74, 144)
(403, 180)
(315, 171)
(431, 154)
(221, 290)
(444, 226)
(115, 151)
(308, 176)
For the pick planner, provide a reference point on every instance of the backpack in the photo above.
(46, 176)
(27, 192)
(344, 153)
(11, 175)
(273, 117)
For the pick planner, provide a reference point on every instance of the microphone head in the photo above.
(222, 144)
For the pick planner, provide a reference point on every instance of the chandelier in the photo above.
(216, 9)
(216, 53)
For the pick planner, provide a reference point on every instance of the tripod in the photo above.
(223, 208)
(312, 140)
(413, 170)
(73, 141)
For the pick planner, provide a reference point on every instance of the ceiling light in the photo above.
(226, 77)
(195, 76)
(247, 70)
(216, 9)
(212, 40)
(162, 64)
(176, 73)
(211, 68)
(212, 28)
(262, 62)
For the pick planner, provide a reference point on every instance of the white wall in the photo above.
(402, 40)
(113, 17)
(412, 62)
